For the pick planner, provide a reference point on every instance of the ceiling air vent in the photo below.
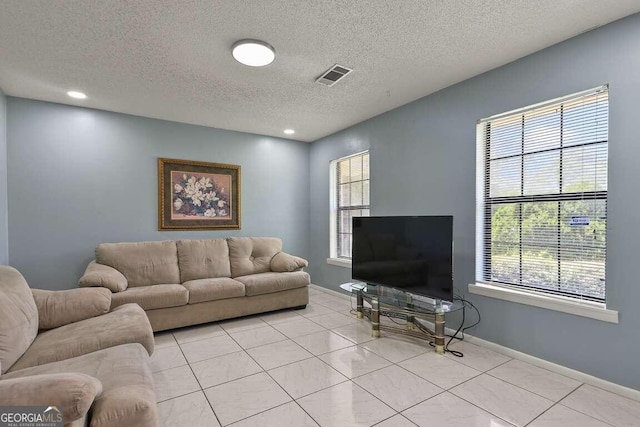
(333, 75)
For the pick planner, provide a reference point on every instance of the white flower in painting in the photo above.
(221, 203)
(205, 182)
(222, 212)
(212, 197)
(178, 188)
(209, 213)
(184, 176)
(177, 204)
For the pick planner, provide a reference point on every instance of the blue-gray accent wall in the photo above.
(4, 213)
(79, 177)
(423, 163)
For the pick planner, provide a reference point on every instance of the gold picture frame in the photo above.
(195, 195)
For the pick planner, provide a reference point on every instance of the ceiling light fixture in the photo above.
(254, 53)
(289, 131)
(76, 94)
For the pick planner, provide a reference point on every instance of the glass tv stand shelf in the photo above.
(419, 312)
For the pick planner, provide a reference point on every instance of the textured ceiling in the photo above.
(171, 59)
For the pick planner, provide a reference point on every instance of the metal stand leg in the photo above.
(359, 305)
(439, 331)
(375, 317)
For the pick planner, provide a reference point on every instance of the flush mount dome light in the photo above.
(77, 95)
(254, 53)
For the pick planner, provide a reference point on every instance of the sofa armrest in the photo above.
(282, 262)
(100, 275)
(58, 308)
(72, 393)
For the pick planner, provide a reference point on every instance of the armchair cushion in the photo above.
(100, 275)
(125, 324)
(73, 393)
(58, 308)
(283, 262)
(18, 317)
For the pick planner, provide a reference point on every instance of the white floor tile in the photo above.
(195, 333)
(164, 339)
(280, 316)
(354, 361)
(166, 358)
(604, 406)
(277, 354)
(441, 371)
(357, 332)
(323, 342)
(298, 327)
(561, 416)
(196, 351)
(511, 403)
(396, 421)
(245, 397)
(397, 349)
(174, 382)
(479, 358)
(192, 410)
(242, 324)
(333, 320)
(287, 415)
(540, 381)
(222, 369)
(257, 337)
(313, 310)
(306, 377)
(345, 405)
(448, 410)
(397, 387)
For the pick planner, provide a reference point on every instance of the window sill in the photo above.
(340, 262)
(589, 309)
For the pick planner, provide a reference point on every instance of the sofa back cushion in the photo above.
(252, 255)
(142, 263)
(18, 317)
(203, 259)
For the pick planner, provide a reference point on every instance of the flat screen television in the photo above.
(412, 253)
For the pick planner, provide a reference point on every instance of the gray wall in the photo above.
(78, 177)
(423, 163)
(4, 222)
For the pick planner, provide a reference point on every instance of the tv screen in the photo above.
(412, 253)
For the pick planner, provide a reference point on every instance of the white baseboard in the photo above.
(536, 361)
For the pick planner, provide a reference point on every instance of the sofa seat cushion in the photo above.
(266, 283)
(151, 297)
(128, 396)
(213, 289)
(126, 324)
(142, 263)
(203, 259)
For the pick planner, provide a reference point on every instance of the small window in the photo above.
(542, 197)
(349, 198)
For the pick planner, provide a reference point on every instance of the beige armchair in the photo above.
(65, 349)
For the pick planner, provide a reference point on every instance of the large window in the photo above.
(542, 197)
(349, 198)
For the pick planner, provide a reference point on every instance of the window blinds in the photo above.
(352, 197)
(542, 196)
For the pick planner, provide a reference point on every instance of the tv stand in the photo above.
(424, 317)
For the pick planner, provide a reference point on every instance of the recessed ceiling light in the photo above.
(254, 53)
(76, 95)
(289, 131)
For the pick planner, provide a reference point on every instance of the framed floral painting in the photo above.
(198, 195)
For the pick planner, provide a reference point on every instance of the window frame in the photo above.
(335, 209)
(557, 300)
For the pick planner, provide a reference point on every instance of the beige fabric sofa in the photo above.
(187, 282)
(66, 349)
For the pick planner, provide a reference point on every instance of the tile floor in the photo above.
(320, 367)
